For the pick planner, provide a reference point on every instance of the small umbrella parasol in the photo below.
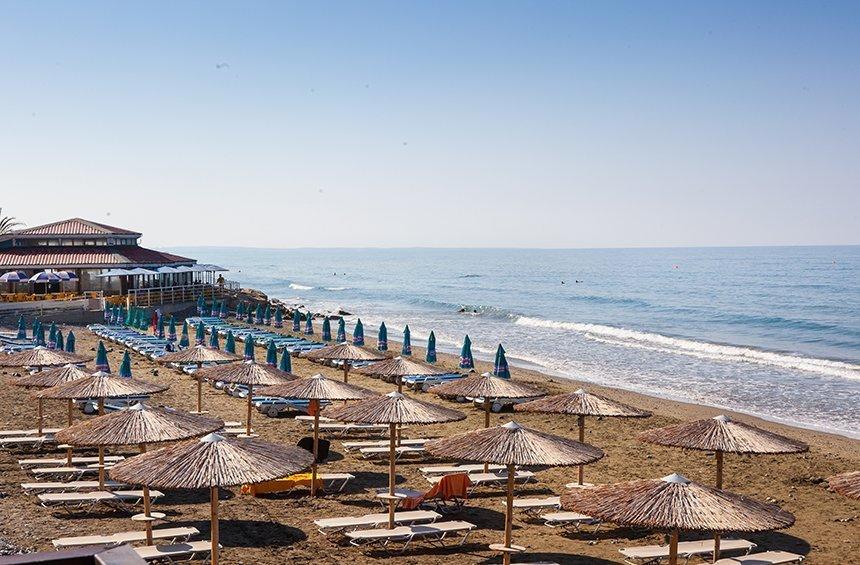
(230, 342)
(183, 339)
(345, 352)
(358, 334)
(399, 367)
(846, 484)
(466, 359)
(70, 342)
(198, 355)
(341, 331)
(125, 366)
(272, 353)
(431, 348)
(382, 338)
(326, 329)
(406, 348)
(102, 363)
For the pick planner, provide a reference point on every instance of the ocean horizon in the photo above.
(770, 331)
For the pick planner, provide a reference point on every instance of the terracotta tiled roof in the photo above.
(85, 257)
(74, 226)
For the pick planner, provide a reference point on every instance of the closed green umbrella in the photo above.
(500, 367)
(286, 363)
(70, 342)
(358, 334)
(60, 345)
(171, 330)
(128, 316)
(40, 335)
(259, 314)
(326, 329)
(52, 336)
(22, 328)
(36, 324)
(230, 344)
(279, 318)
(406, 349)
(249, 348)
(249, 315)
(201, 304)
(161, 325)
(341, 331)
(431, 348)
(183, 340)
(268, 315)
(309, 325)
(223, 313)
(272, 353)
(125, 366)
(240, 311)
(466, 359)
(144, 320)
(101, 359)
(121, 317)
(382, 338)
(213, 339)
(200, 335)
(297, 321)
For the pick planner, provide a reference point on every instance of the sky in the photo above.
(439, 124)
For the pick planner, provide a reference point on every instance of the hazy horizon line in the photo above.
(518, 248)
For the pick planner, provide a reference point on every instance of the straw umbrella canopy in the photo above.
(398, 367)
(49, 378)
(39, 357)
(101, 385)
(248, 373)
(139, 425)
(487, 386)
(347, 353)
(512, 444)
(210, 462)
(581, 404)
(198, 355)
(314, 389)
(846, 484)
(394, 409)
(675, 503)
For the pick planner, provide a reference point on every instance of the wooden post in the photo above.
(40, 417)
(71, 405)
(509, 513)
(719, 457)
(673, 548)
(345, 375)
(392, 503)
(147, 507)
(248, 422)
(581, 470)
(101, 450)
(213, 494)
(399, 384)
(315, 407)
(486, 425)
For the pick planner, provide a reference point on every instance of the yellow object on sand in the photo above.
(281, 485)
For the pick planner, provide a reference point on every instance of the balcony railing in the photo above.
(154, 296)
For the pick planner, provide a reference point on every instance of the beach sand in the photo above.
(278, 529)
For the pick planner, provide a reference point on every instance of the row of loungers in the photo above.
(178, 546)
(262, 337)
(147, 345)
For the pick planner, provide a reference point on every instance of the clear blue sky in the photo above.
(552, 124)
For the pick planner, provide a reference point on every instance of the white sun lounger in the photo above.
(494, 479)
(172, 535)
(66, 471)
(30, 432)
(345, 429)
(351, 523)
(310, 419)
(436, 532)
(764, 558)
(572, 520)
(179, 551)
(399, 451)
(21, 442)
(450, 469)
(687, 549)
(357, 445)
(234, 431)
(74, 500)
(68, 486)
(335, 482)
(62, 461)
(534, 507)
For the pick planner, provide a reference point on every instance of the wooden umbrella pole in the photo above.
(40, 416)
(213, 494)
(400, 385)
(391, 475)
(719, 457)
(101, 450)
(673, 548)
(509, 513)
(345, 375)
(199, 394)
(147, 506)
(581, 470)
(486, 425)
(315, 407)
(248, 422)
(71, 405)
(71, 408)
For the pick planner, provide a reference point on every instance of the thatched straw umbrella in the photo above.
(721, 434)
(511, 445)
(210, 462)
(846, 484)
(139, 425)
(100, 386)
(347, 353)
(314, 389)
(248, 373)
(675, 503)
(49, 378)
(581, 404)
(394, 409)
(40, 357)
(398, 367)
(198, 355)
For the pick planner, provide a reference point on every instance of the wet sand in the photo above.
(278, 528)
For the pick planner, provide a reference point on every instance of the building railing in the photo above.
(146, 297)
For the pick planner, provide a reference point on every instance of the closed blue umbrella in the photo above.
(70, 342)
(171, 330)
(183, 340)
(341, 331)
(406, 350)
(309, 324)
(249, 348)
(223, 309)
(22, 328)
(101, 358)
(129, 316)
(60, 344)
(466, 359)
(259, 314)
(201, 304)
(35, 329)
(382, 338)
(230, 344)
(272, 353)
(240, 310)
(213, 339)
(249, 315)
(120, 319)
(125, 366)
(358, 334)
(268, 315)
(431, 348)
(279, 318)
(326, 329)
(107, 314)
(200, 336)
(500, 367)
(161, 325)
(297, 321)
(286, 363)
(40, 335)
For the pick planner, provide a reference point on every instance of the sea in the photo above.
(769, 331)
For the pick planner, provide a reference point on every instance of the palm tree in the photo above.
(8, 223)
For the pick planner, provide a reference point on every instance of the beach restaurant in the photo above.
(76, 257)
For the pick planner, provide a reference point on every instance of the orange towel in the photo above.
(281, 485)
(449, 487)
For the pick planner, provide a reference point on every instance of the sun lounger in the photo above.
(77, 500)
(650, 554)
(25, 433)
(171, 535)
(535, 507)
(175, 552)
(357, 445)
(335, 482)
(448, 469)
(448, 495)
(352, 523)
(25, 442)
(345, 429)
(62, 461)
(764, 558)
(39, 472)
(399, 451)
(69, 486)
(568, 520)
(492, 479)
(436, 533)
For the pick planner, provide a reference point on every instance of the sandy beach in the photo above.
(278, 529)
